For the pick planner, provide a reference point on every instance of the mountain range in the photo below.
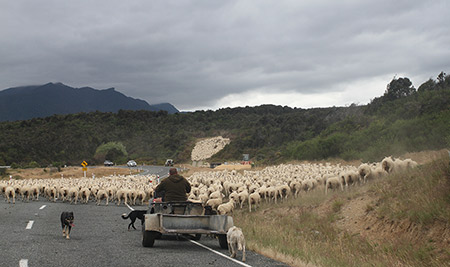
(27, 102)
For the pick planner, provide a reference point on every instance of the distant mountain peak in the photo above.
(26, 102)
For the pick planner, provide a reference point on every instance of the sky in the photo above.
(207, 54)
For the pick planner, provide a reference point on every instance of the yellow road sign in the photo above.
(84, 163)
(84, 169)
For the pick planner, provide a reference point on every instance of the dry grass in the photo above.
(401, 220)
(68, 172)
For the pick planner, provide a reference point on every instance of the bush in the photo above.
(15, 166)
(32, 164)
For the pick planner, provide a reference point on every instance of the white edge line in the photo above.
(23, 263)
(129, 207)
(30, 224)
(43, 206)
(220, 254)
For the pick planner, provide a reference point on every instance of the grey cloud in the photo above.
(192, 53)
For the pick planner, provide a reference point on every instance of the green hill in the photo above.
(402, 120)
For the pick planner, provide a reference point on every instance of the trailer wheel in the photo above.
(148, 238)
(223, 241)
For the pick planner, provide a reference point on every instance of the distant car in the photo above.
(108, 163)
(131, 163)
(169, 162)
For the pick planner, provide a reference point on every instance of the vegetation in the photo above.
(311, 232)
(403, 119)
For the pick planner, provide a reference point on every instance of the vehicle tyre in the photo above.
(197, 237)
(148, 238)
(223, 241)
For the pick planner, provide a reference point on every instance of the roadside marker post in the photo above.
(84, 164)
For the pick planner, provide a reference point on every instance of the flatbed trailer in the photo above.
(183, 218)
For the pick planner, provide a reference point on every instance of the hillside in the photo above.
(21, 103)
(402, 120)
(398, 220)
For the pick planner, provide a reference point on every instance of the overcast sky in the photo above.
(208, 54)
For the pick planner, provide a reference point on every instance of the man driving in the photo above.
(175, 187)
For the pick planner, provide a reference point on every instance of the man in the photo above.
(175, 187)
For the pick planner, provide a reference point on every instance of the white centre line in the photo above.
(43, 206)
(23, 263)
(129, 207)
(30, 224)
(220, 254)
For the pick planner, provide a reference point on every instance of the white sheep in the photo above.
(333, 182)
(10, 193)
(388, 164)
(243, 196)
(214, 202)
(226, 208)
(102, 194)
(253, 199)
(236, 241)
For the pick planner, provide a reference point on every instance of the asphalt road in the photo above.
(99, 238)
(162, 171)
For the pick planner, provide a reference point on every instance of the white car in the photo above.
(131, 163)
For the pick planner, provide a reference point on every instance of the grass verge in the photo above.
(410, 220)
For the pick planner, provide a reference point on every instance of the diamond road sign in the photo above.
(84, 163)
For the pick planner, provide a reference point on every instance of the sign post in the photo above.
(84, 164)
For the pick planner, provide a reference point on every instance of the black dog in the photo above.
(67, 223)
(210, 211)
(139, 214)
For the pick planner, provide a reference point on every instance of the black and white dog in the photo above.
(135, 214)
(67, 223)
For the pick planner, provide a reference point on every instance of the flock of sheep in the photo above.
(222, 190)
(119, 189)
(204, 149)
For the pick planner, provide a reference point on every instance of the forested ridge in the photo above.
(404, 119)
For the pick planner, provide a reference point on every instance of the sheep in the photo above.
(364, 171)
(234, 196)
(388, 164)
(253, 198)
(351, 177)
(34, 192)
(226, 208)
(141, 195)
(243, 196)
(333, 182)
(203, 197)
(10, 193)
(102, 194)
(284, 191)
(295, 187)
(214, 202)
(63, 193)
(410, 163)
(122, 194)
(25, 192)
(216, 194)
(85, 194)
(236, 241)
(73, 194)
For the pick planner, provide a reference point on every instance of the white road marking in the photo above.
(129, 207)
(220, 254)
(30, 224)
(43, 206)
(23, 263)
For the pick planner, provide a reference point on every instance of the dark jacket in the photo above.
(175, 187)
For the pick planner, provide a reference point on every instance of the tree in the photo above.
(399, 88)
(111, 151)
(427, 86)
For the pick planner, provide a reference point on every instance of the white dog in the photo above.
(236, 241)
